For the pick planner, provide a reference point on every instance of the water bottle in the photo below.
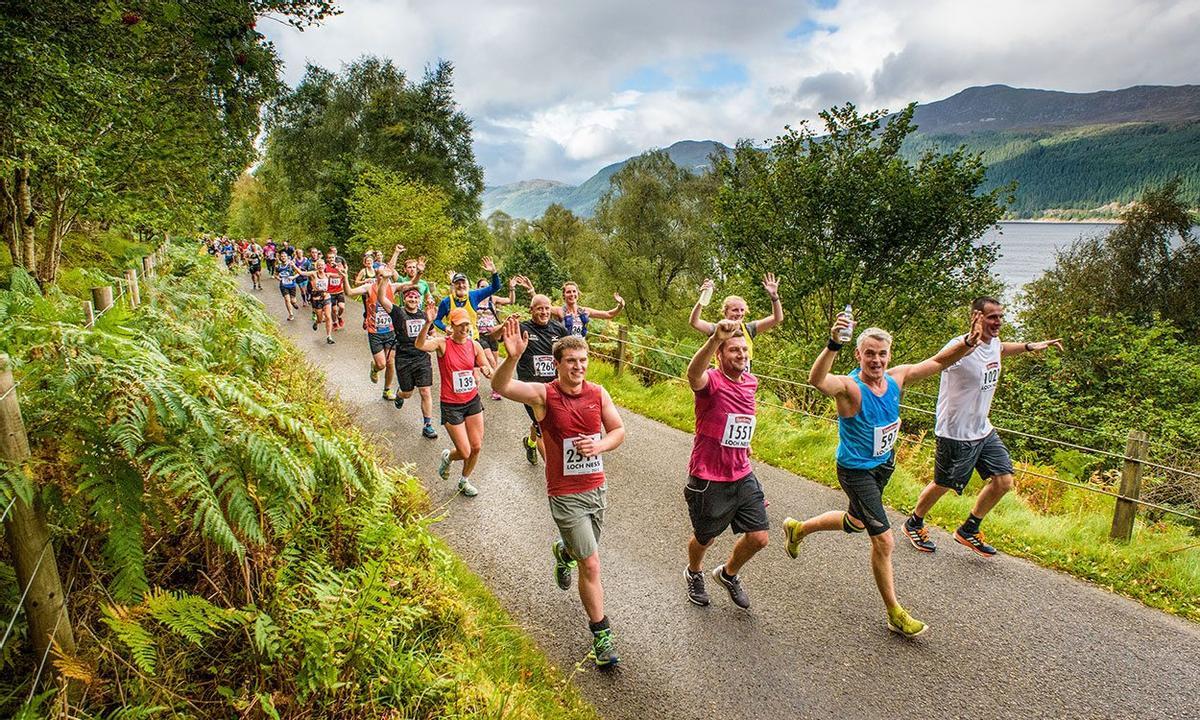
(846, 333)
(706, 295)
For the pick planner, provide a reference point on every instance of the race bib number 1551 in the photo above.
(739, 430)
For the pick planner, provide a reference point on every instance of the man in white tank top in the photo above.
(966, 440)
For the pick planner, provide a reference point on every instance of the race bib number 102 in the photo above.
(576, 463)
(885, 438)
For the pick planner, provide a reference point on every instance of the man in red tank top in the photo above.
(579, 424)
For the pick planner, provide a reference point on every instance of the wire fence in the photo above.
(922, 441)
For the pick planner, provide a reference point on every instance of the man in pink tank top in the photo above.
(722, 491)
(572, 414)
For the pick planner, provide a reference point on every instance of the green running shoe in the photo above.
(899, 621)
(531, 453)
(563, 565)
(602, 649)
(466, 488)
(793, 533)
(444, 467)
(374, 372)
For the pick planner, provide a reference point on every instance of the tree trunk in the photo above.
(8, 223)
(60, 225)
(26, 220)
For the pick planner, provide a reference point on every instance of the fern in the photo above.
(132, 635)
(191, 616)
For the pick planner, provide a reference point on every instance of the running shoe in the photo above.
(974, 541)
(496, 395)
(314, 324)
(793, 533)
(466, 488)
(900, 622)
(290, 318)
(563, 565)
(919, 537)
(531, 453)
(428, 431)
(389, 394)
(602, 648)
(734, 586)
(399, 402)
(375, 378)
(444, 468)
(328, 339)
(696, 592)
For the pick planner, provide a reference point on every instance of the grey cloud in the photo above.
(831, 88)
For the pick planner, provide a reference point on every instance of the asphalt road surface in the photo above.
(1007, 639)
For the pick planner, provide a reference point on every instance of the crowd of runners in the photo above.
(574, 423)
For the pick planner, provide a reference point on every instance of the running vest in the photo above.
(866, 439)
(568, 417)
(287, 276)
(408, 327)
(379, 321)
(965, 393)
(576, 324)
(487, 318)
(456, 368)
(269, 251)
(725, 421)
(536, 364)
(320, 287)
(335, 284)
(472, 315)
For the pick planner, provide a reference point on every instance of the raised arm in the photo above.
(1011, 348)
(484, 293)
(835, 386)
(512, 292)
(702, 326)
(906, 375)
(771, 285)
(532, 394)
(696, 369)
(423, 342)
(607, 314)
(395, 255)
(381, 283)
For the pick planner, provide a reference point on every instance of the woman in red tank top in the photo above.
(462, 412)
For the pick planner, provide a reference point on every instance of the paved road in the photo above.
(1007, 639)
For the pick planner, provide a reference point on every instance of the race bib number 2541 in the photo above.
(576, 463)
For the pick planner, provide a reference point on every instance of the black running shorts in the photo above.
(380, 342)
(457, 413)
(956, 459)
(714, 506)
(337, 299)
(285, 291)
(413, 372)
(865, 490)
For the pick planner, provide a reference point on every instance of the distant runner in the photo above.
(269, 256)
(254, 258)
(966, 440)
(467, 300)
(722, 491)
(735, 308)
(488, 319)
(579, 423)
(322, 313)
(337, 270)
(287, 275)
(868, 407)
(462, 412)
(575, 317)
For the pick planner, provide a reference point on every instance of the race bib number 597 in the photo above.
(885, 438)
(576, 463)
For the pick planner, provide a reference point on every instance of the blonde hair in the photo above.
(730, 299)
(875, 334)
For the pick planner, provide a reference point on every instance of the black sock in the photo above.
(597, 626)
(916, 521)
(971, 526)
(726, 575)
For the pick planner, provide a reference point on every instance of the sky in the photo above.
(558, 89)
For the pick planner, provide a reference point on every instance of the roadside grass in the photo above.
(1055, 525)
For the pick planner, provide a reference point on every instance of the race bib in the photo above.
(464, 381)
(576, 463)
(739, 430)
(383, 321)
(413, 327)
(991, 373)
(543, 365)
(885, 438)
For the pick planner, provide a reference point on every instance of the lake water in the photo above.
(1027, 248)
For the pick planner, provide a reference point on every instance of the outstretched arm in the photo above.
(532, 394)
(607, 314)
(696, 370)
(1010, 348)
(423, 342)
(906, 375)
(835, 386)
(771, 285)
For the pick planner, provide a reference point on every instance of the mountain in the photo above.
(1071, 154)
(529, 198)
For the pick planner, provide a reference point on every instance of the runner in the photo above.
(722, 491)
(303, 265)
(462, 412)
(269, 256)
(966, 440)
(576, 318)
(868, 408)
(367, 275)
(287, 284)
(229, 252)
(580, 424)
(735, 308)
(322, 312)
(336, 267)
(381, 338)
(536, 364)
(413, 367)
(412, 267)
(488, 320)
(254, 258)
(469, 301)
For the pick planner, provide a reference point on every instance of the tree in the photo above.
(530, 257)
(655, 233)
(1146, 268)
(843, 218)
(386, 210)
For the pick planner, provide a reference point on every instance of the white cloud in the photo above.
(544, 80)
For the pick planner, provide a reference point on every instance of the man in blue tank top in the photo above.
(868, 407)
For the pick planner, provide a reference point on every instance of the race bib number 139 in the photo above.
(576, 463)
(739, 430)
(464, 381)
(885, 438)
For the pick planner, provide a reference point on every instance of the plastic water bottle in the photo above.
(706, 295)
(846, 333)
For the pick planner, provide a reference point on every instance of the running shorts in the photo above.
(337, 299)
(380, 342)
(413, 372)
(488, 343)
(457, 413)
(580, 517)
(864, 488)
(285, 291)
(537, 426)
(956, 459)
(714, 506)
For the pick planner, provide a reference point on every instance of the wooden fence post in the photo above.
(102, 298)
(131, 284)
(1136, 450)
(29, 538)
(148, 266)
(622, 338)
(89, 315)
